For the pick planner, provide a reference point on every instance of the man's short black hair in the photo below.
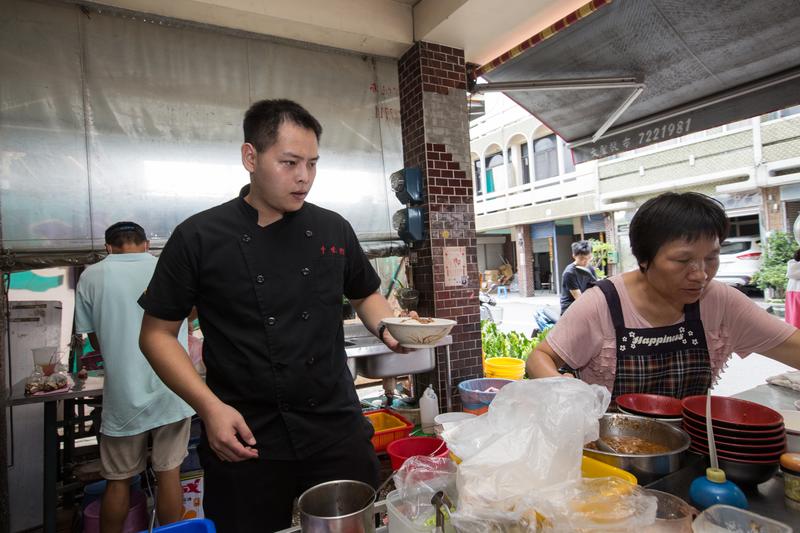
(581, 248)
(262, 120)
(125, 232)
(671, 216)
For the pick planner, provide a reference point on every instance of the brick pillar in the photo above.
(435, 127)
(524, 260)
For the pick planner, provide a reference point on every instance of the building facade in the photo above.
(532, 199)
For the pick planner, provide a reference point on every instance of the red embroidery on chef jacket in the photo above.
(332, 249)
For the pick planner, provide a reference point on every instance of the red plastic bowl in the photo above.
(733, 413)
(768, 449)
(401, 449)
(740, 457)
(773, 433)
(733, 441)
(741, 441)
(652, 405)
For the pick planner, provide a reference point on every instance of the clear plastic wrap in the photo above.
(418, 480)
(600, 504)
(531, 438)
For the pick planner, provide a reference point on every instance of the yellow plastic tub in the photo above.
(592, 468)
(504, 367)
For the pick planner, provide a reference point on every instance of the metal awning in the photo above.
(623, 74)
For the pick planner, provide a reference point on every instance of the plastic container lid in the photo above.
(790, 462)
(726, 518)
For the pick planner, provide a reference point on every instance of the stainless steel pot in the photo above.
(338, 507)
(646, 468)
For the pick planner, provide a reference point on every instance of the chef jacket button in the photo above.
(305, 315)
(309, 233)
(246, 238)
(271, 321)
(305, 271)
(259, 279)
(312, 402)
(310, 361)
(285, 406)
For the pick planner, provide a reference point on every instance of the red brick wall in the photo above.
(435, 133)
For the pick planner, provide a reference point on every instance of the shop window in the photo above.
(477, 165)
(569, 164)
(545, 157)
(526, 166)
(492, 161)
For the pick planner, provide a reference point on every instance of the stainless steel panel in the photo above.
(33, 324)
(162, 106)
(44, 188)
(390, 364)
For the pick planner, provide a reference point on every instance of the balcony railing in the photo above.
(579, 183)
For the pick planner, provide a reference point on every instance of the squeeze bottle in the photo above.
(428, 409)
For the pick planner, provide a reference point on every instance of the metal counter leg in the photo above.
(50, 496)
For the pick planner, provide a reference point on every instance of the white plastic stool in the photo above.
(502, 290)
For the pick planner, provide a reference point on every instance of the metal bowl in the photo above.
(647, 468)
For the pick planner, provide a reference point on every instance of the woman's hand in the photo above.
(226, 430)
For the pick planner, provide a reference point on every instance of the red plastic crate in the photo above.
(389, 426)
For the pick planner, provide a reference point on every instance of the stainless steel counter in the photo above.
(766, 499)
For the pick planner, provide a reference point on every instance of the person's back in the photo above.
(134, 399)
(137, 406)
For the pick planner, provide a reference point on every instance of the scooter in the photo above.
(544, 318)
(487, 304)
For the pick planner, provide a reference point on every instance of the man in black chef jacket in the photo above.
(267, 272)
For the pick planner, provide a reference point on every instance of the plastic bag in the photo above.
(531, 438)
(600, 504)
(418, 480)
(38, 383)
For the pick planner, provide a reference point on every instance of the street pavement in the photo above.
(741, 373)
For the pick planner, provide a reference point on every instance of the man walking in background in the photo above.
(136, 404)
(578, 276)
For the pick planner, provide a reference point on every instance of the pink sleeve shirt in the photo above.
(584, 336)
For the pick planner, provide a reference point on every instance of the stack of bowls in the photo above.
(662, 408)
(749, 437)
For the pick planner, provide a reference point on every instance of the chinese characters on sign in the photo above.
(455, 266)
(633, 139)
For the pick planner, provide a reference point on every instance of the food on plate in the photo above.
(420, 319)
(631, 445)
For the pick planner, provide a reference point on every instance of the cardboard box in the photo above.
(192, 484)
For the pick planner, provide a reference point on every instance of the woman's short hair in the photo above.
(672, 216)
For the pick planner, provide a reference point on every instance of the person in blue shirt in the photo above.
(578, 276)
(136, 404)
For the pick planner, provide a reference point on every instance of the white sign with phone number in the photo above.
(665, 131)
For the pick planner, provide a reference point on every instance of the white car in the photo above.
(739, 260)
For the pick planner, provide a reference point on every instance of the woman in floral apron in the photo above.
(667, 328)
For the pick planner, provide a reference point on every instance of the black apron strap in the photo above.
(612, 299)
(691, 311)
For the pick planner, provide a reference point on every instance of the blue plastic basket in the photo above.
(195, 525)
(473, 399)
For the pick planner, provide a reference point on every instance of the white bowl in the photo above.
(447, 420)
(411, 333)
